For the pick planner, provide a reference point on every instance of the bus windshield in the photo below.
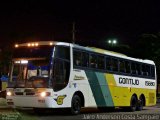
(61, 67)
(31, 69)
(37, 82)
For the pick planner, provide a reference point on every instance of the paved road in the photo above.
(149, 113)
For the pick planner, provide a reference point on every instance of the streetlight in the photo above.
(112, 42)
(109, 41)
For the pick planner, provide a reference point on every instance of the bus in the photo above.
(48, 74)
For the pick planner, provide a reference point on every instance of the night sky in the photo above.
(25, 20)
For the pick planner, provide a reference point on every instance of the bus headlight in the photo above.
(44, 94)
(9, 93)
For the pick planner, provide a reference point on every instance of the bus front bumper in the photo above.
(31, 102)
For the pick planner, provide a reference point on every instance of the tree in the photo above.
(5, 59)
(148, 47)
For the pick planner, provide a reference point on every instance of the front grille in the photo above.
(30, 93)
(24, 93)
(10, 103)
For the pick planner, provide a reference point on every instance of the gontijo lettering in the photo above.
(128, 81)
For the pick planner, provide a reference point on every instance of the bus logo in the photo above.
(60, 99)
(128, 81)
(79, 77)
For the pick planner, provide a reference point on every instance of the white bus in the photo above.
(48, 74)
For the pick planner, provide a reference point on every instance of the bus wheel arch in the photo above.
(80, 94)
(77, 102)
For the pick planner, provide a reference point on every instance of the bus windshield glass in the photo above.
(61, 67)
(31, 67)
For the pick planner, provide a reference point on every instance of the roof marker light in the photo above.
(29, 44)
(32, 44)
(36, 44)
(50, 43)
(16, 45)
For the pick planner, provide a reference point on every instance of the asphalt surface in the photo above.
(148, 113)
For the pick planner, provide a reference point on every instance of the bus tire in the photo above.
(140, 104)
(133, 104)
(76, 105)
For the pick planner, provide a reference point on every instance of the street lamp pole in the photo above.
(73, 33)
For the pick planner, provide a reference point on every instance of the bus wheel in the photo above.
(133, 104)
(76, 105)
(140, 104)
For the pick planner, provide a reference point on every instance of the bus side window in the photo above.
(128, 67)
(152, 71)
(85, 59)
(101, 63)
(133, 68)
(93, 60)
(115, 64)
(148, 70)
(144, 70)
(108, 63)
(77, 58)
(122, 66)
(138, 68)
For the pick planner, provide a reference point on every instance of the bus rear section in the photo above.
(115, 80)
